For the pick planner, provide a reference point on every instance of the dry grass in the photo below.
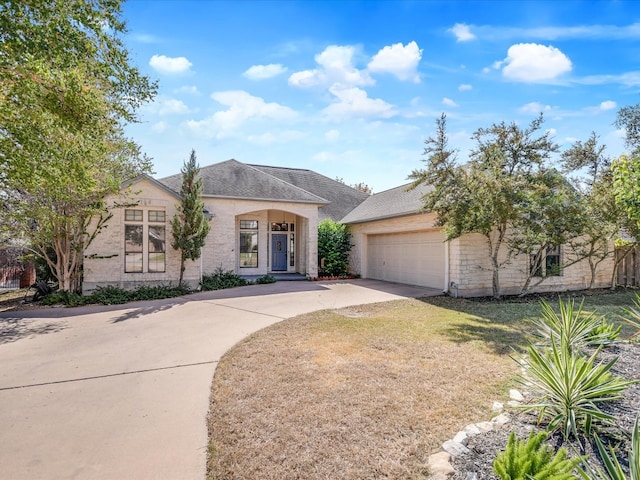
(365, 392)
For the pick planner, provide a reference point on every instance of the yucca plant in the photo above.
(532, 459)
(613, 469)
(572, 387)
(572, 327)
(633, 317)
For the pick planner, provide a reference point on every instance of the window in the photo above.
(156, 216)
(248, 243)
(547, 263)
(132, 248)
(133, 215)
(135, 247)
(156, 249)
(292, 249)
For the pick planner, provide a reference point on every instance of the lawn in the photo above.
(368, 391)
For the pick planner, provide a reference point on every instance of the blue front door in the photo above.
(278, 252)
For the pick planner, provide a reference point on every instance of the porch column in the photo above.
(312, 247)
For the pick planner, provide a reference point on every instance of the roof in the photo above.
(161, 186)
(396, 202)
(343, 198)
(234, 179)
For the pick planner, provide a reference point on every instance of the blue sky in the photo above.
(352, 89)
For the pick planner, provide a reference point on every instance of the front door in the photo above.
(279, 252)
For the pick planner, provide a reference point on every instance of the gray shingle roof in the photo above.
(396, 202)
(233, 179)
(343, 198)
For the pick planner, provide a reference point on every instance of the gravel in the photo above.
(478, 465)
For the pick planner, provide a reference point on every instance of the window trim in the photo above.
(147, 220)
(545, 266)
(249, 227)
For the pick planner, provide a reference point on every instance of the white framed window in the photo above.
(141, 255)
(248, 250)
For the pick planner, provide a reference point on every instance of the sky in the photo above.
(351, 89)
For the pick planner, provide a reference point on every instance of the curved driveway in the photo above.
(123, 392)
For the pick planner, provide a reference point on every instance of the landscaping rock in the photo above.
(454, 448)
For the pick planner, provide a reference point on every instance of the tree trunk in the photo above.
(182, 268)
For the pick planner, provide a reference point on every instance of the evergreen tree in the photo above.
(189, 225)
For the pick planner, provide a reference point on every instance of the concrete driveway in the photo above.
(123, 392)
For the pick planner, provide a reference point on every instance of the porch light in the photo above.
(208, 214)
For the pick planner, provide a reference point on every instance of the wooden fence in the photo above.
(629, 268)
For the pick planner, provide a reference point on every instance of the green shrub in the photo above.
(221, 279)
(334, 245)
(613, 469)
(69, 299)
(157, 292)
(265, 279)
(109, 295)
(574, 328)
(633, 317)
(572, 387)
(533, 460)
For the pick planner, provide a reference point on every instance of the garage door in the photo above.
(414, 258)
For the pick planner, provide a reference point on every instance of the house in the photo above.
(394, 240)
(265, 219)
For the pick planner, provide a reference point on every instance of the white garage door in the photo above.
(414, 258)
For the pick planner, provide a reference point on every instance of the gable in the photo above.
(342, 197)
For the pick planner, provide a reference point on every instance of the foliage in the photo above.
(221, 279)
(334, 245)
(111, 295)
(533, 460)
(67, 88)
(633, 316)
(573, 328)
(190, 226)
(572, 387)
(628, 118)
(626, 179)
(63, 297)
(265, 279)
(487, 195)
(611, 463)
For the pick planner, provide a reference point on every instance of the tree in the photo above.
(190, 226)
(334, 245)
(487, 195)
(601, 215)
(629, 118)
(67, 88)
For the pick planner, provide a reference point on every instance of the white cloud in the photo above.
(449, 103)
(159, 127)
(551, 131)
(535, 108)
(332, 135)
(401, 61)
(465, 87)
(169, 65)
(462, 32)
(335, 65)
(166, 106)
(262, 72)
(531, 62)
(190, 89)
(354, 102)
(242, 107)
(321, 157)
(608, 105)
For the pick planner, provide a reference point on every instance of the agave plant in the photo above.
(572, 386)
(633, 317)
(532, 459)
(613, 469)
(574, 328)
